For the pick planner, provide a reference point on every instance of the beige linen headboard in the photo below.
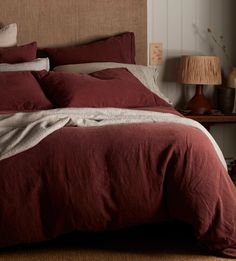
(71, 22)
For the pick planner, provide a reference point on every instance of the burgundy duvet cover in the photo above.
(117, 176)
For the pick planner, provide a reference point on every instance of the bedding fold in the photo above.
(21, 131)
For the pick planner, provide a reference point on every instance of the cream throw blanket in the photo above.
(21, 131)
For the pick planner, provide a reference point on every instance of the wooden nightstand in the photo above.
(208, 120)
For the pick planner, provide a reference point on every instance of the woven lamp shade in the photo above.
(204, 70)
(199, 70)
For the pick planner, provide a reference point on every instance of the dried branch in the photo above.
(221, 44)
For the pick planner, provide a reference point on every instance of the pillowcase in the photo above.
(147, 75)
(20, 91)
(107, 88)
(8, 35)
(18, 54)
(119, 48)
(36, 65)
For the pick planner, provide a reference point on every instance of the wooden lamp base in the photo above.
(199, 104)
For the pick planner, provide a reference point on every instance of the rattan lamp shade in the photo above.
(199, 70)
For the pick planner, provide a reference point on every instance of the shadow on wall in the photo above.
(215, 44)
(169, 76)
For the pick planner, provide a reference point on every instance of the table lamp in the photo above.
(199, 70)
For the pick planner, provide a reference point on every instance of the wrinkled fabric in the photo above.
(115, 176)
(21, 131)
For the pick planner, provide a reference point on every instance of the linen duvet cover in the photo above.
(96, 169)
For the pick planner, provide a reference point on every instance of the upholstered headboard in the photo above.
(71, 22)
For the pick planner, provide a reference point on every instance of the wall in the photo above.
(234, 35)
(181, 25)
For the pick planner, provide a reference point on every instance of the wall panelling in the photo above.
(181, 25)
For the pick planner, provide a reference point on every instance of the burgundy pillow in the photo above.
(20, 91)
(106, 88)
(119, 48)
(18, 54)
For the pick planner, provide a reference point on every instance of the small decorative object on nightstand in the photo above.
(226, 99)
(232, 84)
(199, 70)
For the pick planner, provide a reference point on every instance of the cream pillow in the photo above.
(8, 35)
(147, 75)
(35, 65)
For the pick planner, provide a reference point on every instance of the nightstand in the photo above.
(207, 121)
(211, 119)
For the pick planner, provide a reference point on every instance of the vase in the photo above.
(226, 96)
(231, 82)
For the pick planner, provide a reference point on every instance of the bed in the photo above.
(94, 145)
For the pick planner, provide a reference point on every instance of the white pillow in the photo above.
(147, 75)
(35, 65)
(8, 35)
